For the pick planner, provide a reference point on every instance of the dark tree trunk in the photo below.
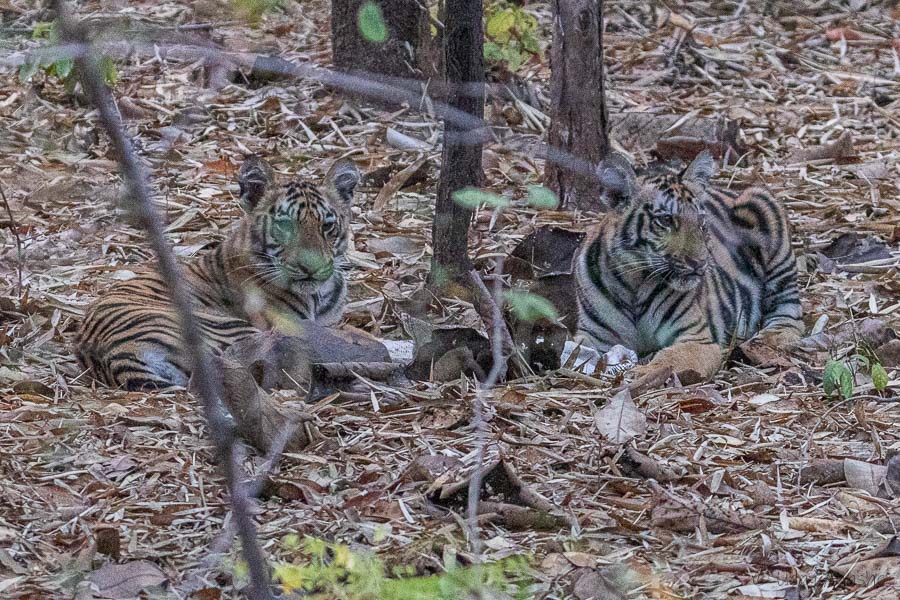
(578, 106)
(461, 158)
(406, 21)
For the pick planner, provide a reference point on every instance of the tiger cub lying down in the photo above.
(283, 262)
(678, 270)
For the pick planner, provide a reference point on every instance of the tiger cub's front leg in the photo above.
(683, 358)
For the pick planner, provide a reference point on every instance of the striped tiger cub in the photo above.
(284, 261)
(678, 270)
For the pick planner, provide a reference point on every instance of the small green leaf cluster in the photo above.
(471, 197)
(62, 69)
(329, 570)
(840, 377)
(512, 35)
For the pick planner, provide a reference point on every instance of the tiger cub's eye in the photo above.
(663, 220)
(329, 223)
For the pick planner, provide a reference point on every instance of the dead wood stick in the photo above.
(520, 518)
(221, 426)
(378, 371)
(636, 464)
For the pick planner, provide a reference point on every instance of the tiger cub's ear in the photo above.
(617, 179)
(342, 178)
(254, 178)
(702, 169)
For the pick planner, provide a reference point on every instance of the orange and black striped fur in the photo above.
(285, 261)
(678, 270)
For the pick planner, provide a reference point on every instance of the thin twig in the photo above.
(14, 227)
(220, 423)
(498, 367)
(392, 90)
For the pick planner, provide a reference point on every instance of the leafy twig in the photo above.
(221, 426)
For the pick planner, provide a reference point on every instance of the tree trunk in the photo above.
(461, 157)
(578, 123)
(406, 21)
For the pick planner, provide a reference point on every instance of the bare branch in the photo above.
(497, 368)
(221, 426)
(14, 227)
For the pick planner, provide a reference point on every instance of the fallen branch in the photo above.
(379, 371)
(220, 424)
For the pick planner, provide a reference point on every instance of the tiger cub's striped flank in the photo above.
(679, 270)
(282, 263)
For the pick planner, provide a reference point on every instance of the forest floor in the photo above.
(739, 517)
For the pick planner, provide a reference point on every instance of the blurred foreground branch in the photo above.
(220, 424)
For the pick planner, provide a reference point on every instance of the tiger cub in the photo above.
(283, 262)
(678, 270)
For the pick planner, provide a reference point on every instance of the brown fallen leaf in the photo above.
(881, 564)
(865, 476)
(590, 584)
(620, 420)
(127, 580)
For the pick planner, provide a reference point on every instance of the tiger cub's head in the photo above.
(299, 230)
(661, 227)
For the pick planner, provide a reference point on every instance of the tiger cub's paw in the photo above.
(777, 338)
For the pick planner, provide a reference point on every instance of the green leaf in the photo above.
(530, 43)
(63, 67)
(43, 30)
(472, 197)
(834, 371)
(371, 23)
(27, 70)
(541, 197)
(492, 52)
(879, 377)
(846, 383)
(291, 541)
(513, 57)
(500, 25)
(531, 307)
(108, 68)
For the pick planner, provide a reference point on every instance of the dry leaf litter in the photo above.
(709, 495)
